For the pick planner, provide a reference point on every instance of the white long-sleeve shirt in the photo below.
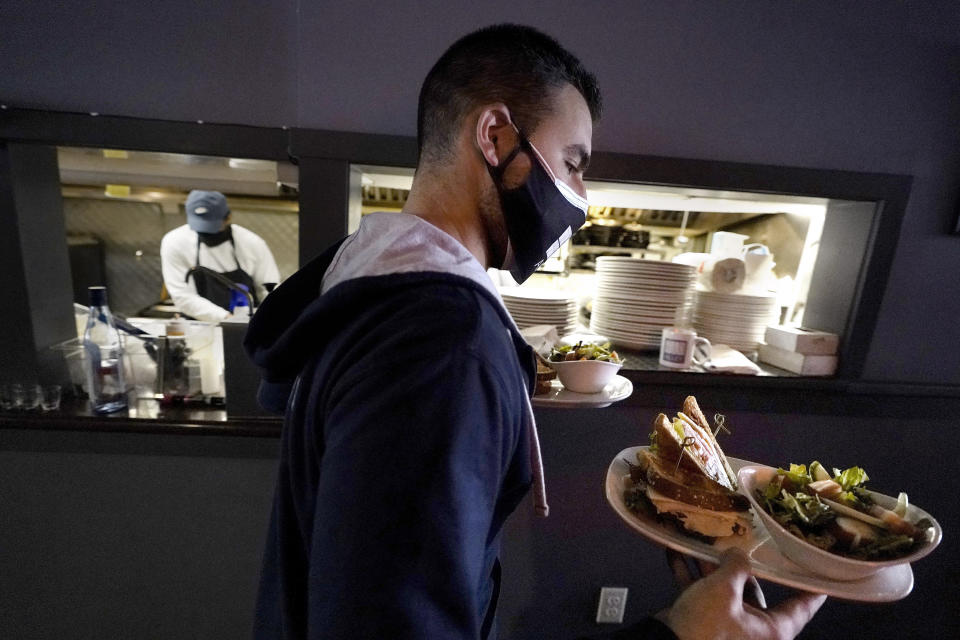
(178, 254)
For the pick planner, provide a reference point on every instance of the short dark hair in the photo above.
(513, 64)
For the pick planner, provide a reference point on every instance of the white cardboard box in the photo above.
(802, 363)
(808, 341)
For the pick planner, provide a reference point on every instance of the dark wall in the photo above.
(219, 61)
(129, 535)
(33, 262)
(858, 86)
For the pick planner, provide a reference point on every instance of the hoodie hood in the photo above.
(295, 321)
(390, 251)
(395, 243)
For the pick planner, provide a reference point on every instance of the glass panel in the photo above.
(119, 205)
(776, 237)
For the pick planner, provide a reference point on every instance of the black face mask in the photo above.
(215, 239)
(540, 214)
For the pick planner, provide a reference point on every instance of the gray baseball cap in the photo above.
(206, 211)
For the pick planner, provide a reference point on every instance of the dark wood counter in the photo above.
(145, 416)
(654, 386)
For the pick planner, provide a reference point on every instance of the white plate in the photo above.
(667, 310)
(535, 293)
(646, 280)
(634, 307)
(652, 276)
(710, 303)
(628, 322)
(602, 306)
(641, 264)
(619, 389)
(563, 313)
(618, 279)
(648, 328)
(632, 319)
(618, 336)
(887, 585)
(644, 270)
(738, 298)
(528, 302)
(645, 276)
(638, 323)
(758, 312)
(641, 289)
(542, 309)
(661, 297)
(549, 318)
(557, 311)
(626, 332)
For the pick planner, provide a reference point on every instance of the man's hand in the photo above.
(713, 607)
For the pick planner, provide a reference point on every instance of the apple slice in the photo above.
(853, 532)
(853, 513)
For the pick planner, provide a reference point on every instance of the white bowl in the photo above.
(585, 376)
(815, 559)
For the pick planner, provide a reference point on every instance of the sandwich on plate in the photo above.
(545, 376)
(684, 477)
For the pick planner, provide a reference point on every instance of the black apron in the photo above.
(217, 286)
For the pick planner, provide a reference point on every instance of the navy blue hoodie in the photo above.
(408, 439)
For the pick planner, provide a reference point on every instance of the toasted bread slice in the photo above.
(692, 409)
(705, 524)
(697, 455)
(668, 443)
(544, 377)
(692, 488)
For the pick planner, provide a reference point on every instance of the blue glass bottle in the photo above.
(104, 350)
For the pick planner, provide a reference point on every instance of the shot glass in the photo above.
(29, 396)
(50, 397)
(6, 397)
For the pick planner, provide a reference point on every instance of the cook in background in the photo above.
(194, 254)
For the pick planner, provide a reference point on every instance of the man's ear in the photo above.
(496, 136)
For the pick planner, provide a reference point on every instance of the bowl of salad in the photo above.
(832, 525)
(585, 367)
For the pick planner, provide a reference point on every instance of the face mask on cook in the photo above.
(216, 239)
(540, 214)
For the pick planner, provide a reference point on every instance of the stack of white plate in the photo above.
(530, 306)
(635, 299)
(734, 319)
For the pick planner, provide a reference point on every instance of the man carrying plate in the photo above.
(409, 437)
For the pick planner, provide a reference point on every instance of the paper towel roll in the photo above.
(728, 275)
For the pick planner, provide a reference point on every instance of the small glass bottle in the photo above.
(104, 350)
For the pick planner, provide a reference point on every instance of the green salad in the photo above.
(835, 512)
(581, 351)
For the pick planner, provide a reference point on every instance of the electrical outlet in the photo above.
(613, 603)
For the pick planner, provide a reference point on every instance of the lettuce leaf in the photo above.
(797, 474)
(850, 478)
